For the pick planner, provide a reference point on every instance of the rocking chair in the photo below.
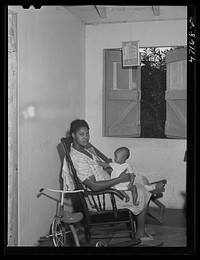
(100, 216)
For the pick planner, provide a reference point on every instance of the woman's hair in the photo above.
(75, 125)
(124, 150)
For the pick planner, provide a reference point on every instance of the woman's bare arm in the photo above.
(94, 185)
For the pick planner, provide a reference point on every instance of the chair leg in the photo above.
(159, 204)
(153, 213)
(133, 227)
(87, 234)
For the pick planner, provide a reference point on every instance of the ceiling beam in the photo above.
(156, 10)
(101, 10)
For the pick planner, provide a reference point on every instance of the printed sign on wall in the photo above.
(130, 53)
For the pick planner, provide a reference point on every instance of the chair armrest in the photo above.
(107, 191)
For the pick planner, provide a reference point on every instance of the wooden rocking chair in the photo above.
(101, 216)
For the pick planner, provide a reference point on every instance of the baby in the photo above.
(118, 166)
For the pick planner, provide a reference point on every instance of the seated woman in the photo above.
(96, 178)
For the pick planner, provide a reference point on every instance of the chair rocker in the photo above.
(100, 216)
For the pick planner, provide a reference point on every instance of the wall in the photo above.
(51, 82)
(155, 158)
(12, 133)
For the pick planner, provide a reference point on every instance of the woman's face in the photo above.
(82, 136)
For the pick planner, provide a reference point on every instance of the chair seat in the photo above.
(108, 217)
(69, 217)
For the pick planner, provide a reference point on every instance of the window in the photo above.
(149, 100)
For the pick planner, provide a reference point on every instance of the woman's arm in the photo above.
(94, 185)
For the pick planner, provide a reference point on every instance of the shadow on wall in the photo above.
(183, 194)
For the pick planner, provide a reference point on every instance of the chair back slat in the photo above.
(99, 202)
(95, 205)
(104, 202)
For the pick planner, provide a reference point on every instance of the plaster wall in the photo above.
(51, 82)
(154, 158)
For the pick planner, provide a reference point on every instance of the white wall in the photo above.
(51, 80)
(155, 158)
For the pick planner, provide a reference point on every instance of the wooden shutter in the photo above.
(176, 94)
(122, 97)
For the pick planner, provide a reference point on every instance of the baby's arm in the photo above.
(106, 166)
(103, 164)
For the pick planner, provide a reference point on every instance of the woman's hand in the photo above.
(124, 176)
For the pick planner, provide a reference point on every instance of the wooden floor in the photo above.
(172, 231)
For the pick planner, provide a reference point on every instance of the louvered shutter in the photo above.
(176, 94)
(122, 97)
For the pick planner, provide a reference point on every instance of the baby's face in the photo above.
(119, 158)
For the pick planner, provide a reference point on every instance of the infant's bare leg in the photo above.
(135, 195)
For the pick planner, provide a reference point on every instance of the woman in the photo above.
(96, 178)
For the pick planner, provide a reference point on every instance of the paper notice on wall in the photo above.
(130, 53)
